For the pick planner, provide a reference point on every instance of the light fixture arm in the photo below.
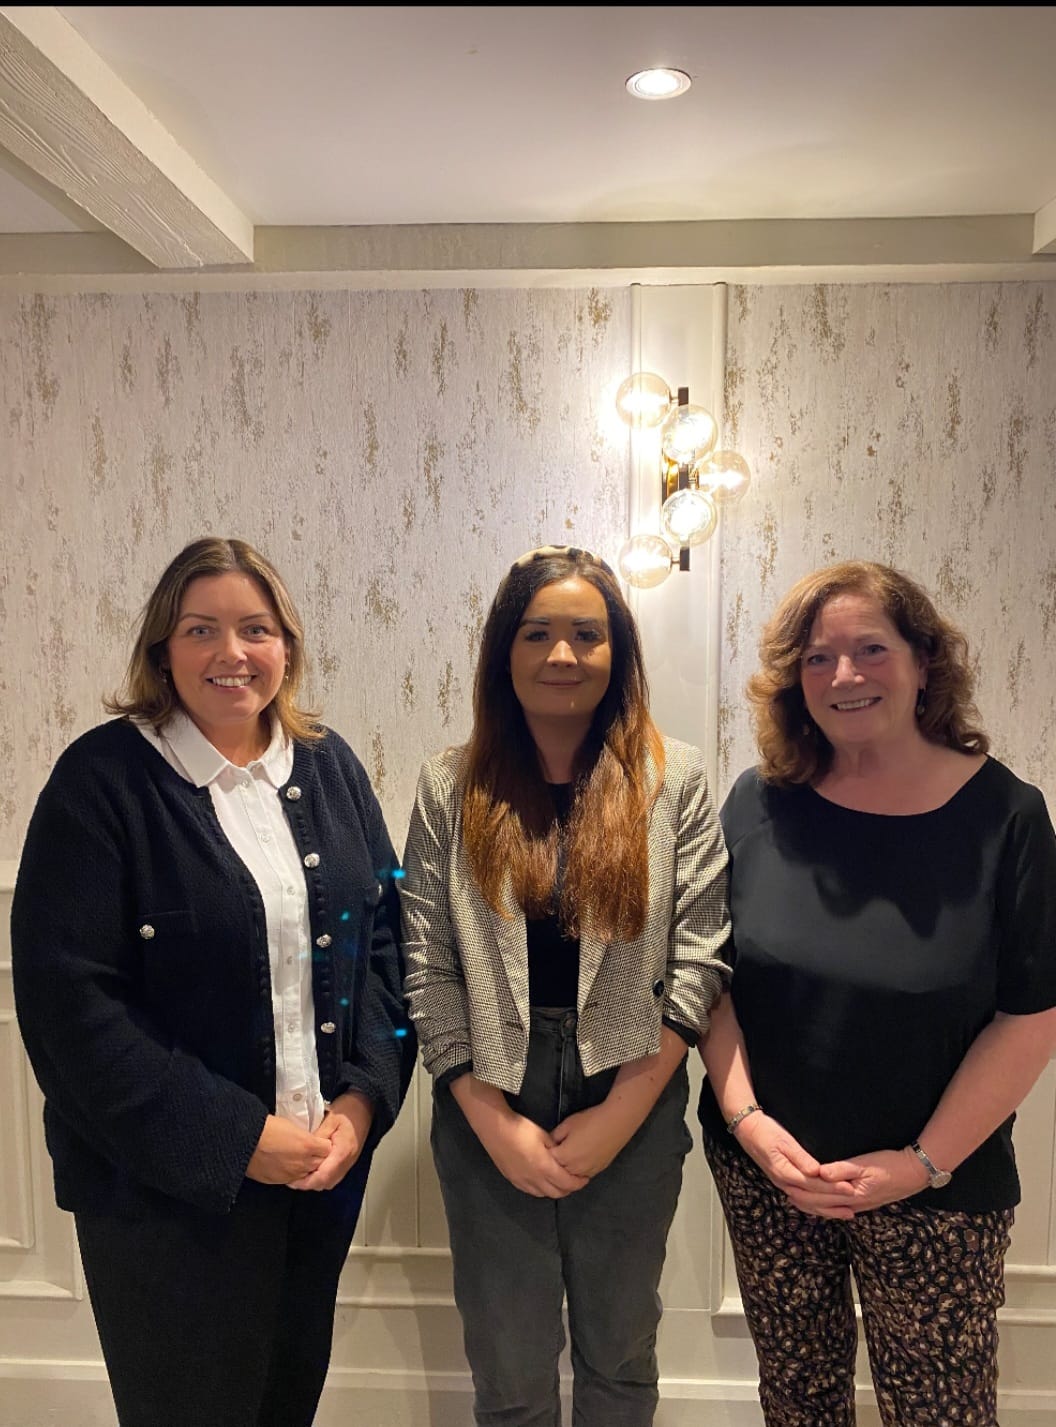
(683, 483)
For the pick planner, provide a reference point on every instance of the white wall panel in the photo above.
(38, 1260)
(16, 1191)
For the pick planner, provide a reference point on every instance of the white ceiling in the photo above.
(355, 115)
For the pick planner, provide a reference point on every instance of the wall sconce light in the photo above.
(696, 481)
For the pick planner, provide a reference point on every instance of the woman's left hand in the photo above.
(346, 1125)
(882, 1177)
(587, 1142)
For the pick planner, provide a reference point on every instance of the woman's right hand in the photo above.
(285, 1152)
(523, 1153)
(792, 1169)
(520, 1150)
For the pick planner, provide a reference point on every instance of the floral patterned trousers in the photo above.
(929, 1283)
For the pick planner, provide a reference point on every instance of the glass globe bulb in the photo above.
(644, 399)
(688, 434)
(645, 561)
(724, 476)
(689, 517)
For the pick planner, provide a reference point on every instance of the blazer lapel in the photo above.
(591, 948)
(591, 953)
(511, 939)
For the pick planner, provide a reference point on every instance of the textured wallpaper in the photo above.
(392, 453)
(915, 425)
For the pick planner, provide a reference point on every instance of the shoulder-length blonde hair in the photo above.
(148, 694)
(791, 746)
(508, 815)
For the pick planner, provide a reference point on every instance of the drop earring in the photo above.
(922, 702)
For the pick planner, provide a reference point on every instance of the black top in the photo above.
(141, 971)
(870, 951)
(553, 957)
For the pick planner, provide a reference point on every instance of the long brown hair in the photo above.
(792, 748)
(148, 694)
(508, 815)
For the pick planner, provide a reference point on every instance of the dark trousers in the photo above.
(515, 1257)
(929, 1281)
(221, 1320)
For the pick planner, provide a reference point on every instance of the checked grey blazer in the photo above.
(468, 966)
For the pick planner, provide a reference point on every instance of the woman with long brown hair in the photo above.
(564, 918)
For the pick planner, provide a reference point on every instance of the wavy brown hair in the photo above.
(148, 694)
(508, 813)
(792, 748)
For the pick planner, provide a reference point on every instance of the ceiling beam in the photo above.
(973, 249)
(68, 116)
(1045, 228)
(735, 244)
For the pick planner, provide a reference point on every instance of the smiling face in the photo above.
(227, 658)
(860, 678)
(561, 658)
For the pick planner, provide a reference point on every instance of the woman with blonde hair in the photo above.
(893, 896)
(208, 982)
(564, 919)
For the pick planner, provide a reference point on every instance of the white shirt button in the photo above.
(323, 940)
(297, 1095)
(291, 891)
(312, 860)
(265, 837)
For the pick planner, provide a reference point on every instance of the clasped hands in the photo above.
(837, 1190)
(554, 1164)
(313, 1159)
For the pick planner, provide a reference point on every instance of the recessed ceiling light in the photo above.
(658, 83)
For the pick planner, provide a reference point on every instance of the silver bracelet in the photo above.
(742, 1115)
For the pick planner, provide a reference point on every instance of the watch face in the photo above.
(941, 1179)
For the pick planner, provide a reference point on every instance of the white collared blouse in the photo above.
(250, 814)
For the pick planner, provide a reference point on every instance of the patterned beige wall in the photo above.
(914, 425)
(391, 452)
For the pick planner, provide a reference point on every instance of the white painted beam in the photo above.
(1045, 228)
(69, 117)
(985, 248)
(733, 244)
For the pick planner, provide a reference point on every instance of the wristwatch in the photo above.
(938, 1178)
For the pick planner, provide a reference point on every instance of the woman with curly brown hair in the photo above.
(564, 917)
(893, 895)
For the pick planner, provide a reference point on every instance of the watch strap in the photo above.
(938, 1178)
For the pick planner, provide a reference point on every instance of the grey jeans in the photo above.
(516, 1257)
